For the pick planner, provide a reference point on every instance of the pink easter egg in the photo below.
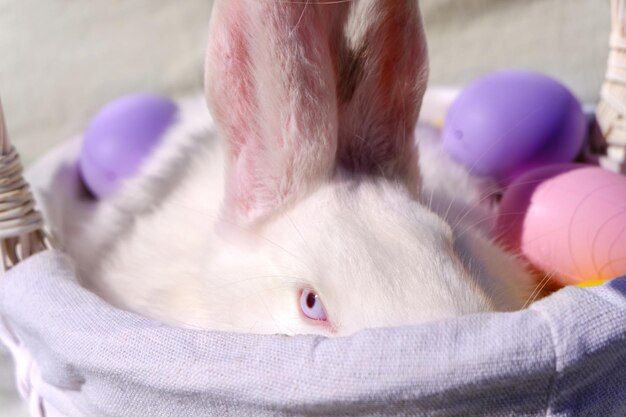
(567, 219)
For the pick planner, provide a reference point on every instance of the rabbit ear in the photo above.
(383, 70)
(271, 88)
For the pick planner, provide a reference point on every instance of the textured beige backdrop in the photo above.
(60, 60)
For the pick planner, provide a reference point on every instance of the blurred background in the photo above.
(61, 60)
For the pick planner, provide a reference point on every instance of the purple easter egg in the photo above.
(509, 122)
(120, 137)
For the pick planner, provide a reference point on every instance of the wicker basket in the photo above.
(22, 229)
(611, 111)
(21, 226)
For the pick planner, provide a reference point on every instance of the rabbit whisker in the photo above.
(502, 137)
(247, 230)
(471, 226)
(491, 194)
(609, 264)
(293, 224)
(320, 2)
(291, 281)
(537, 291)
(573, 217)
(614, 244)
(306, 4)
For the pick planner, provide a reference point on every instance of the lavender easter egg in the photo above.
(120, 137)
(512, 121)
(567, 219)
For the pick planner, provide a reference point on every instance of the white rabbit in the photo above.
(306, 211)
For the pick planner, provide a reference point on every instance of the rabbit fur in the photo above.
(306, 176)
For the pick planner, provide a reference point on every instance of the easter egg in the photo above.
(567, 219)
(120, 137)
(512, 121)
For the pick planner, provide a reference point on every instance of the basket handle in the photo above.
(611, 111)
(22, 231)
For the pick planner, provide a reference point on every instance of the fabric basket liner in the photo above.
(563, 356)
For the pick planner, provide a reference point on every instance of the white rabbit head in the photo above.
(323, 229)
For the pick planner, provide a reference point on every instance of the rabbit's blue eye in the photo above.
(311, 305)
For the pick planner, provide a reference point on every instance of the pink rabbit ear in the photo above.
(271, 88)
(383, 70)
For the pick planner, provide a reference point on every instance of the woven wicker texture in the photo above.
(611, 112)
(21, 226)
